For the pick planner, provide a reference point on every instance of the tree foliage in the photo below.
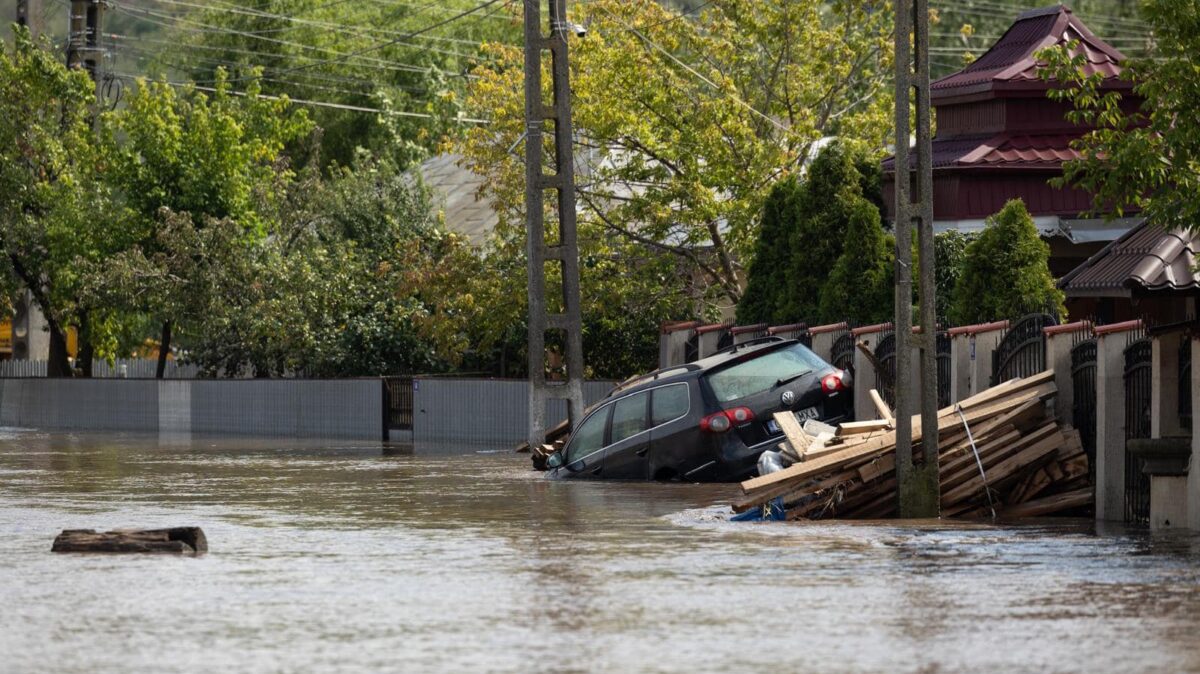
(54, 203)
(1144, 159)
(1006, 272)
(686, 124)
(824, 227)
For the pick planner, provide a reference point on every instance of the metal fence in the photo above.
(1083, 384)
(1138, 358)
(885, 368)
(1022, 350)
(399, 392)
(122, 368)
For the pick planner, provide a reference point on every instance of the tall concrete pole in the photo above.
(29, 14)
(918, 487)
(85, 49)
(562, 246)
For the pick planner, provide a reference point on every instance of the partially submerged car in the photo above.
(706, 421)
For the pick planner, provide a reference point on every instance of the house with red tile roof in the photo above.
(1000, 137)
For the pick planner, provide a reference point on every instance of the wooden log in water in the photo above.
(177, 540)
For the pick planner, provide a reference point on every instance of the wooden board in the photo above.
(790, 425)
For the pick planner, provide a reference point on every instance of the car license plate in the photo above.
(801, 416)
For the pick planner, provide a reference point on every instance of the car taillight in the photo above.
(719, 422)
(832, 383)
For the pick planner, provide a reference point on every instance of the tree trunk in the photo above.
(87, 352)
(164, 348)
(60, 362)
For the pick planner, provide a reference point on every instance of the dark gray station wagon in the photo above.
(706, 421)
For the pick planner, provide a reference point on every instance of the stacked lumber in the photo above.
(1001, 451)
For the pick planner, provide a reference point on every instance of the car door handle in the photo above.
(642, 451)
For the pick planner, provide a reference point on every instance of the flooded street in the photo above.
(346, 558)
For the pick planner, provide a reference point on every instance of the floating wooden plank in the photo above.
(885, 412)
(179, 540)
(1051, 504)
(858, 427)
(790, 425)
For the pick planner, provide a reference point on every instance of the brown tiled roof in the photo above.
(1010, 63)
(1146, 259)
(1002, 150)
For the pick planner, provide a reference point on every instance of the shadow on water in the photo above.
(363, 556)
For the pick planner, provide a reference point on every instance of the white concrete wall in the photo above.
(1110, 427)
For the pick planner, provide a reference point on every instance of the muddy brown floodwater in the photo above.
(339, 557)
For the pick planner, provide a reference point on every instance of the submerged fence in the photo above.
(122, 368)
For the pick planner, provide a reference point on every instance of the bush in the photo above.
(1006, 272)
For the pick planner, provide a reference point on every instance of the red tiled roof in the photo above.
(1002, 150)
(1010, 63)
(1147, 258)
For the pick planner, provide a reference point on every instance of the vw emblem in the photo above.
(787, 398)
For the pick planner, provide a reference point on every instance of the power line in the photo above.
(373, 48)
(307, 102)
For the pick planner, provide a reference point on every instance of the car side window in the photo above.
(669, 403)
(629, 417)
(589, 438)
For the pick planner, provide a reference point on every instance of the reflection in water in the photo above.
(348, 557)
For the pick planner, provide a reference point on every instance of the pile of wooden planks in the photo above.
(1001, 451)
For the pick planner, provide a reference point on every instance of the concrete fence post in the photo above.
(864, 368)
(1110, 420)
(1164, 385)
(709, 337)
(672, 342)
(1060, 339)
(745, 333)
(960, 364)
(986, 337)
(823, 337)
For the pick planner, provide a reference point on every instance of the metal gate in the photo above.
(842, 353)
(1022, 350)
(1083, 384)
(885, 368)
(943, 369)
(1137, 425)
(399, 392)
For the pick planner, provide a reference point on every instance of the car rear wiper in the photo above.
(794, 377)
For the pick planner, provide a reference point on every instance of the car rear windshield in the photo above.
(761, 373)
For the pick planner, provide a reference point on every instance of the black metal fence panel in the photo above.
(943, 368)
(1137, 425)
(1022, 350)
(1083, 383)
(885, 368)
(843, 353)
(399, 392)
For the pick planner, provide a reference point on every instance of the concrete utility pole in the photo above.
(918, 487)
(29, 14)
(84, 26)
(559, 247)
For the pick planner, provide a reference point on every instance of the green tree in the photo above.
(1142, 159)
(767, 275)
(392, 74)
(54, 206)
(204, 156)
(860, 287)
(830, 199)
(1006, 272)
(686, 124)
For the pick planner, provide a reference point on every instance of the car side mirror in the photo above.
(555, 460)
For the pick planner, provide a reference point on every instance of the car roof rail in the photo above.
(750, 342)
(655, 374)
